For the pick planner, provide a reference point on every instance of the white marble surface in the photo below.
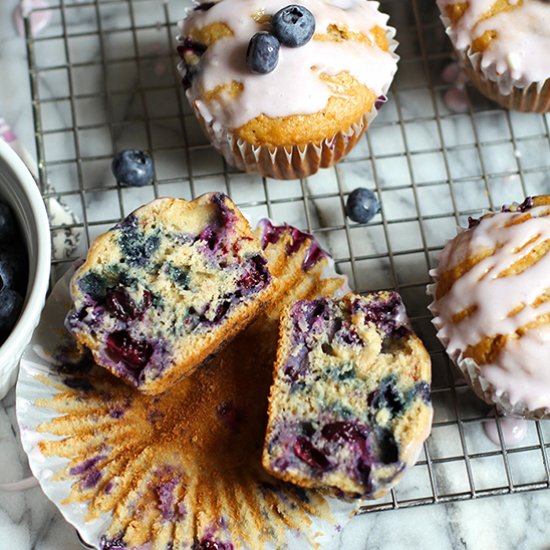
(481, 155)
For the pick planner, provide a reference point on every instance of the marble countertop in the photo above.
(29, 521)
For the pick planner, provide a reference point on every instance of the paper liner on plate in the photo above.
(473, 373)
(502, 87)
(131, 471)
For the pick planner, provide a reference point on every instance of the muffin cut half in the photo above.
(350, 404)
(162, 291)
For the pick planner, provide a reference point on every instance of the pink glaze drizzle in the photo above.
(456, 100)
(39, 19)
(521, 369)
(513, 430)
(276, 94)
(517, 56)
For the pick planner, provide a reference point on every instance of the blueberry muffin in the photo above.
(188, 464)
(161, 291)
(503, 46)
(492, 306)
(242, 61)
(350, 404)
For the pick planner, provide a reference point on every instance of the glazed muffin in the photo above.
(284, 90)
(350, 404)
(503, 46)
(492, 306)
(161, 291)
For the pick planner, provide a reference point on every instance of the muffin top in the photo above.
(315, 90)
(511, 36)
(493, 300)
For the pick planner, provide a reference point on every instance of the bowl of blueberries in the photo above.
(25, 255)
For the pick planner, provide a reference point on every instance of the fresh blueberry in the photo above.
(133, 168)
(362, 205)
(10, 307)
(6, 274)
(293, 26)
(7, 223)
(15, 254)
(262, 54)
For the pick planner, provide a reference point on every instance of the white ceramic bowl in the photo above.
(19, 190)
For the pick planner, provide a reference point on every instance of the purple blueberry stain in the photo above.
(137, 249)
(116, 543)
(79, 384)
(91, 480)
(230, 415)
(190, 52)
(527, 204)
(210, 543)
(299, 492)
(86, 466)
(167, 499)
(179, 275)
(181, 510)
(94, 285)
(422, 389)
(71, 360)
(380, 101)
(88, 472)
(473, 222)
(116, 412)
(387, 396)
(314, 255)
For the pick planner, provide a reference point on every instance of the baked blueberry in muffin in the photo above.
(350, 404)
(161, 291)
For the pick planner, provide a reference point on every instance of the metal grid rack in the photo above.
(103, 78)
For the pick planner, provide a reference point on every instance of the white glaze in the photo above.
(295, 86)
(513, 430)
(518, 55)
(522, 368)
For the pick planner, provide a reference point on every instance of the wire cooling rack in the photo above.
(103, 78)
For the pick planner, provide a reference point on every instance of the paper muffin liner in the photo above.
(285, 162)
(297, 161)
(51, 399)
(509, 92)
(473, 373)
